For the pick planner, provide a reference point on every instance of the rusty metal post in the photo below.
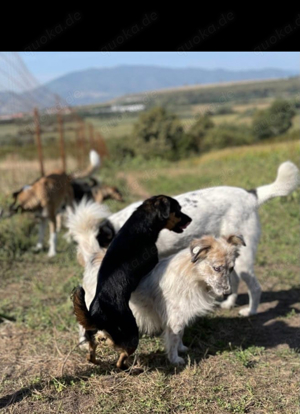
(91, 136)
(38, 140)
(78, 150)
(61, 140)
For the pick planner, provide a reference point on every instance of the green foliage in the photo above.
(198, 131)
(158, 133)
(224, 110)
(273, 121)
(226, 135)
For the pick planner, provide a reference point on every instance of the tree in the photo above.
(273, 121)
(198, 131)
(158, 133)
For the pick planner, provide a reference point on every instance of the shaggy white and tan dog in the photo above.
(175, 292)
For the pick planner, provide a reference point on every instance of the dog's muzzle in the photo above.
(183, 224)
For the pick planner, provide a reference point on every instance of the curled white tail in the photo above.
(95, 162)
(287, 180)
(83, 224)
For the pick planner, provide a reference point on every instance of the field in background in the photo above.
(234, 365)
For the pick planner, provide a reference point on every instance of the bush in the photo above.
(121, 149)
(224, 110)
(273, 121)
(159, 133)
(226, 135)
(197, 132)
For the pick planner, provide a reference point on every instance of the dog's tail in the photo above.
(80, 310)
(287, 180)
(95, 162)
(83, 224)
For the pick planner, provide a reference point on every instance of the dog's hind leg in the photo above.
(42, 228)
(91, 356)
(244, 268)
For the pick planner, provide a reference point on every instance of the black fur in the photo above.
(253, 191)
(131, 255)
(106, 233)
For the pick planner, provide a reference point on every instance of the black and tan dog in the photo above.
(93, 190)
(131, 255)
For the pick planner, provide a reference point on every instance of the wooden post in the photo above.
(61, 140)
(38, 140)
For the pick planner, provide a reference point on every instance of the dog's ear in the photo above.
(105, 234)
(235, 240)
(200, 247)
(162, 204)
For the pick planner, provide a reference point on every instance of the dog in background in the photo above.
(217, 211)
(91, 190)
(95, 191)
(47, 195)
(178, 289)
(131, 255)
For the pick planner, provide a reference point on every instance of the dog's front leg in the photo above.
(172, 341)
(53, 236)
(181, 347)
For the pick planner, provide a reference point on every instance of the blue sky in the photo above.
(49, 65)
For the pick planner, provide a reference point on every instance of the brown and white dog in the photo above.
(175, 292)
(47, 195)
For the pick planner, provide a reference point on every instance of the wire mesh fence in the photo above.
(39, 131)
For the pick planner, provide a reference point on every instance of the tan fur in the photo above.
(172, 221)
(104, 192)
(46, 196)
(81, 311)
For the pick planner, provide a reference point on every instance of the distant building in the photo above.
(127, 108)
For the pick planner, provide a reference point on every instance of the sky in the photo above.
(46, 66)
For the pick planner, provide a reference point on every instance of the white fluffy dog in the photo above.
(217, 211)
(175, 292)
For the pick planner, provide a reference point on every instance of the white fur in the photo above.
(169, 298)
(286, 182)
(83, 224)
(95, 159)
(224, 210)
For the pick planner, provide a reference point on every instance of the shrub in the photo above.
(224, 110)
(197, 132)
(273, 121)
(226, 135)
(158, 133)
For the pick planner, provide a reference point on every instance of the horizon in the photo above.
(47, 66)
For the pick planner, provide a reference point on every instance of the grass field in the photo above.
(235, 364)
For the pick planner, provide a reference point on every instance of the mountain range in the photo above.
(94, 85)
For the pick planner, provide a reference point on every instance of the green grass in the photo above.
(234, 365)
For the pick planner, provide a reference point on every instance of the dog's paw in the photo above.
(226, 304)
(37, 248)
(178, 361)
(51, 254)
(83, 344)
(183, 348)
(246, 312)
